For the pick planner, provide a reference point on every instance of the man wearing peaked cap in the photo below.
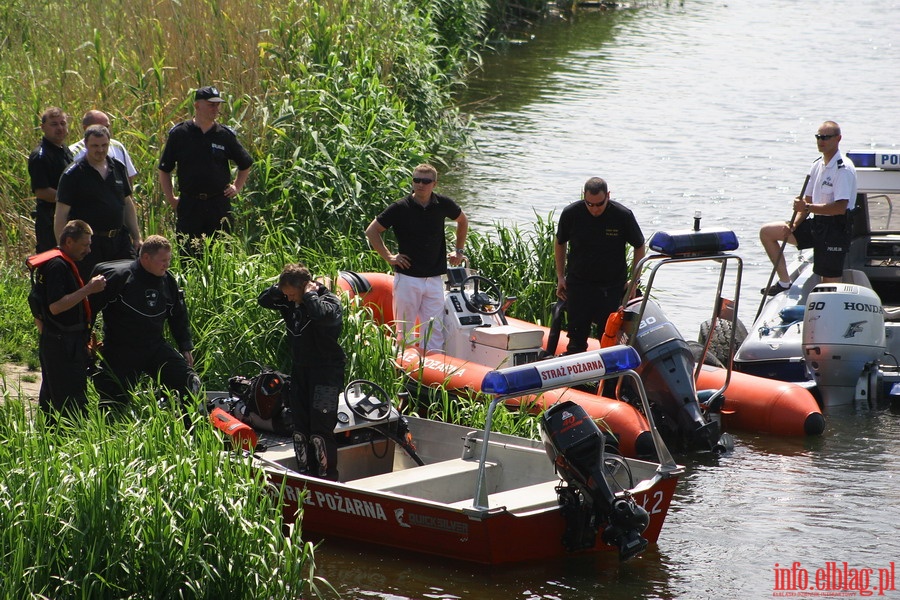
(209, 93)
(203, 150)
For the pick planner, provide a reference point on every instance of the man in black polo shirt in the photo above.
(421, 259)
(45, 165)
(96, 189)
(595, 231)
(65, 326)
(201, 148)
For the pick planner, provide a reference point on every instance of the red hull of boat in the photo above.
(333, 509)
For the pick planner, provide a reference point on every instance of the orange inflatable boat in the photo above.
(479, 338)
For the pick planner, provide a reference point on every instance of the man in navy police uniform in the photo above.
(202, 150)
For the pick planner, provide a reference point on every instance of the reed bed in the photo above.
(106, 506)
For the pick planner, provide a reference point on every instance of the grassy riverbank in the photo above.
(336, 101)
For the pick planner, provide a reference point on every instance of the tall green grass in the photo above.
(335, 100)
(110, 507)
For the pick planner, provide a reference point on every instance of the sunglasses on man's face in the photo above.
(423, 180)
(825, 136)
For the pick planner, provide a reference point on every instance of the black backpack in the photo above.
(37, 297)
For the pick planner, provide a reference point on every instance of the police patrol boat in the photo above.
(467, 494)
(841, 340)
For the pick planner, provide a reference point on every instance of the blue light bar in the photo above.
(862, 159)
(562, 371)
(877, 159)
(689, 242)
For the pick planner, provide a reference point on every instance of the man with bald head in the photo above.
(821, 215)
(117, 151)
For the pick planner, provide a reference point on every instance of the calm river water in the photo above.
(699, 105)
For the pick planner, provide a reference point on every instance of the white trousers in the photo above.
(419, 311)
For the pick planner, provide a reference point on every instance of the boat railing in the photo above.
(571, 370)
(691, 247)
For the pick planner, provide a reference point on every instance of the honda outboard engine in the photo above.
(576, 446)
(667, 370)
(843, 338)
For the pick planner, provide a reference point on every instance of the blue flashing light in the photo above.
(511, 380)
(689, 242)
(862, 159)
(560, 372)
(888, 159)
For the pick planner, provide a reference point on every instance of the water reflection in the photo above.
(394, 575)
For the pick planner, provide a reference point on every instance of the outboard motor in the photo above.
(576, 446)
(843, 338)
(667, 370)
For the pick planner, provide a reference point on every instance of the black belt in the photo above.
(108, 234)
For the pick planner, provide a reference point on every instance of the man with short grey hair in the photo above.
(96, 190)
(45, 166)
(116, 148)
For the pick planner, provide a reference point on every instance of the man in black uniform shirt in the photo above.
(595, 231)
(65, 326)
(201, 148)
(141, 296)
(96, 189)
(45, 166)
(314, 318)
(421, 258)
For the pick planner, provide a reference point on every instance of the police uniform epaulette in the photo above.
(841, 163)
(176, 126)
(228, 129)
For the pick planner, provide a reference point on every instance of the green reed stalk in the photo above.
(137, 506)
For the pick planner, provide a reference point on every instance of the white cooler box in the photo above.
(507, 337)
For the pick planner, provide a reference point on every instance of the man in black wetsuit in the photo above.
(141, 296)
(314, 318)
(96, 189)
(45, 166)
(202, 149)
(65, 326)
(595, 231)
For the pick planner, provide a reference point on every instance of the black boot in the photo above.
(301, 452)
(320, 468)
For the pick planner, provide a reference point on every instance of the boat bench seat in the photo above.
(533, 497)
(445, 481)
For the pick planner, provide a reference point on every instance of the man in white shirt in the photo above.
(829, 196)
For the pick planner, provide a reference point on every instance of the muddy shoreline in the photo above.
(18, 381)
